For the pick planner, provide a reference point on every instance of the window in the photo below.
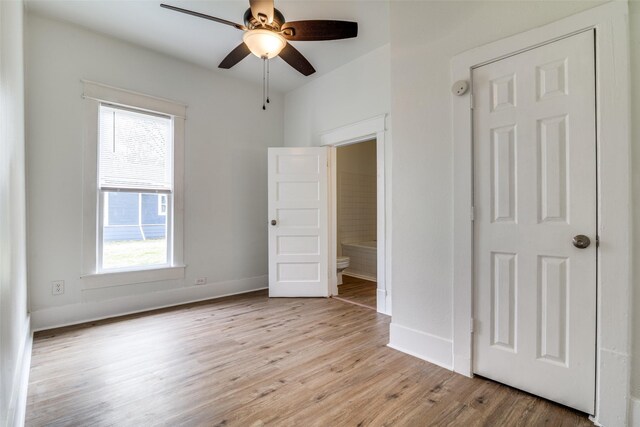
(134, 172)
(133, 229)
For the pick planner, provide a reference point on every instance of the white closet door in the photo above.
(535, 189)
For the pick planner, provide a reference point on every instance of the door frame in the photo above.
(365, 130)
(610, 22)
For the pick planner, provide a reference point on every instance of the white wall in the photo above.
(14, 321)
(226, 140)
(424, 38)
(356, 91)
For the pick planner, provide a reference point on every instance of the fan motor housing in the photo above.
(252, 23)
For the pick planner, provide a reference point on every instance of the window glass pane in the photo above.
(136, 233)
(134, 150)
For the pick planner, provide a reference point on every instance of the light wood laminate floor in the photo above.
(359, 291)
(252, 361)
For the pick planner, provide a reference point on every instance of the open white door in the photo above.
(298, 222)
(535, 213)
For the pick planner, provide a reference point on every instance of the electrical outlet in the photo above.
(57, 287)
(201, 280)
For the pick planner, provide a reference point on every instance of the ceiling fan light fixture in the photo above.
(264, 43)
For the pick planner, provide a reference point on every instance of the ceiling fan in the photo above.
(266, 34)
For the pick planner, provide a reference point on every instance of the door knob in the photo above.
(581, 241)
(274, 222)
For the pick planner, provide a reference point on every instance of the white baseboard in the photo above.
(18, 402)
(422, 345)
(634, 412)
(73, 314)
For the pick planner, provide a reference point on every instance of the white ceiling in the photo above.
(206, 43)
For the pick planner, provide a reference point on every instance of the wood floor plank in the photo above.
(358, 291)
(253, 361)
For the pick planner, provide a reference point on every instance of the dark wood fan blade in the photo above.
(235, 56)
(294, 58)
(202, 15)
(262, 10)
(319, 30)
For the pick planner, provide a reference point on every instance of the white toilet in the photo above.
(342, 262)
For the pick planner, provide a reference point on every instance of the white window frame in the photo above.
(94, 95)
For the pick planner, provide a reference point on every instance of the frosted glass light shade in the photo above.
(264, 43)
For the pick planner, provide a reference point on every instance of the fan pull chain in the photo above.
(264, 85)
(268, 80)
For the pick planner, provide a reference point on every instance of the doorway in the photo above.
(356, 223)
(375, 131)
(302, 215)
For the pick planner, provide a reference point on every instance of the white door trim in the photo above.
(364, 130)
(614, 287)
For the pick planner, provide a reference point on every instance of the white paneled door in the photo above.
(298, 222)
(535, 208)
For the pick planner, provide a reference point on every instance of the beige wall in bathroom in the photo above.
(356, 193)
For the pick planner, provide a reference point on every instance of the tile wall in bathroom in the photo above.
(357, 207)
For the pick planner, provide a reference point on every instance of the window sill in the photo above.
(120, 278)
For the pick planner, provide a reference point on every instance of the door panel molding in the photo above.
(610, 22)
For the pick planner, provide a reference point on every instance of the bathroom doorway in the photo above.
(373, 131)
(356, 223)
